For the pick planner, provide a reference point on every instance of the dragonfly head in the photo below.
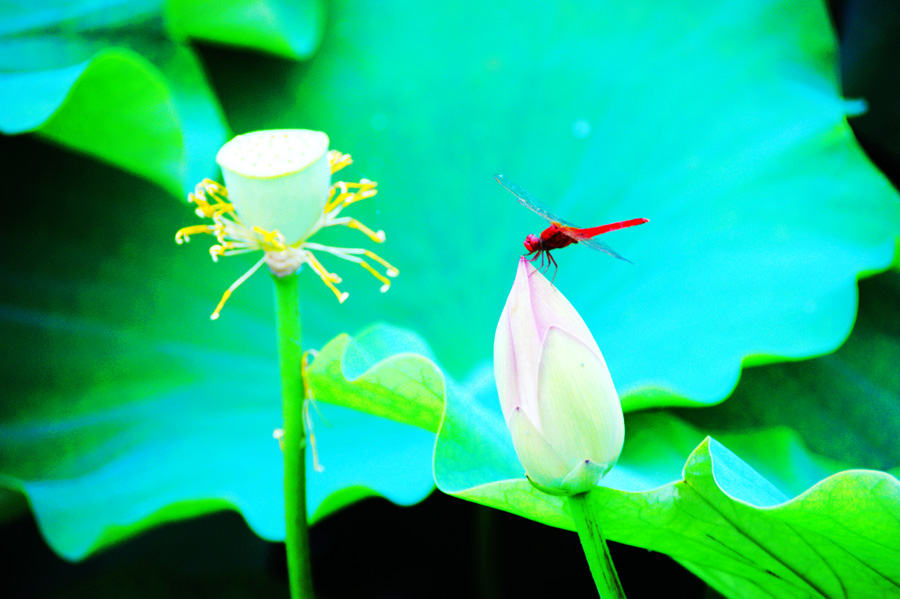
(533, 243)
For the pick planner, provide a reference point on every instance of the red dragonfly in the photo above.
(560, 233)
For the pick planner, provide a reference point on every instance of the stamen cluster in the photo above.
(234, 237)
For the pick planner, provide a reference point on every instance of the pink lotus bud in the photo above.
(557, 396)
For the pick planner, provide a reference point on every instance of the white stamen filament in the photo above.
(235, 285)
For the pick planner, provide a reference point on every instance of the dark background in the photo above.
(442, 547)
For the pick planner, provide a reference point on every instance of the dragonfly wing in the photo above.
(596, 244)
(530, 202)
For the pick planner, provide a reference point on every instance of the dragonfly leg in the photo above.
(555, 266)
(549, 261)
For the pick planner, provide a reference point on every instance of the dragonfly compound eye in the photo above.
(532, 243)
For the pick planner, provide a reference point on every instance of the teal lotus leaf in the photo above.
(842, 406)
(118, 465)
(85, 504)
(128, 414)
(721, 122)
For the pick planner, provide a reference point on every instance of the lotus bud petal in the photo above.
(556, 392)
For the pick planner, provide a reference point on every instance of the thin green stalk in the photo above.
(595, 549)
(293, 394)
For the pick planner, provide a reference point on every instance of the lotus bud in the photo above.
(556, 392)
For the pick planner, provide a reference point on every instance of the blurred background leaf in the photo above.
(869, 36)
(287, 28)
(105, 78)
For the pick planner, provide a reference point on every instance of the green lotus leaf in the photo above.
(121, 482)
(742, 536)
(356, 373)
(101, 78)
(715, 514)
(795, 523)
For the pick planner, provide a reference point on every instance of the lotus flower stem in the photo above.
(595, 549)
(293, 393)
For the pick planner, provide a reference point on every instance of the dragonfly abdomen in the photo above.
(593, 231)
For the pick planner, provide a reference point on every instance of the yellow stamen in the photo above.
(303, 371)
(217, 210)
(235, 285)
(377, 275)
(376, 237)
(234, 237)
(350, 193)
(319, 268)
(210, 188)
(338, 160)
(331, 203)
(317, 466)
(336, 199)
(350, 254)
(365, 189)
(215, 251)
(304, 366)
(183, 235)
(328, 278)
(391, 270)
(203, 207)
(315, 452)
(271, 240)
